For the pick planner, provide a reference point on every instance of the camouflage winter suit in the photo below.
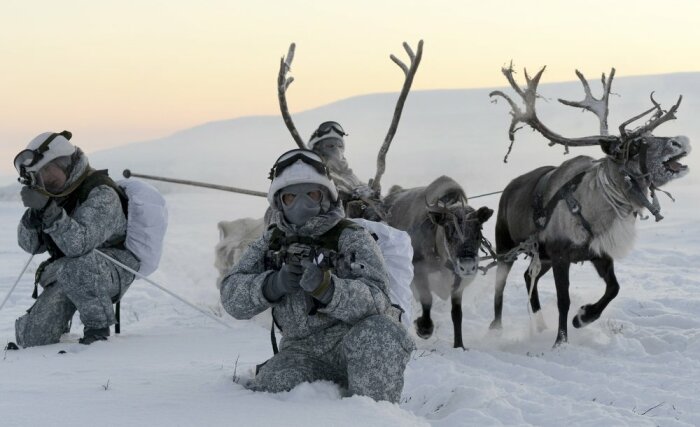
(81, 279)
(353, 341)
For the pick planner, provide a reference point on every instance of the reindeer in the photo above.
(234, 238)
(585, 209)
(446, 236)
(444, 230)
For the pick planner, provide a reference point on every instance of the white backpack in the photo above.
(397, 250)
(147, 222)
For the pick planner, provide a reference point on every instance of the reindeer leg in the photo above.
(457, 312)
(502, 271)
(424, 325)
(534, 295)
(561, 280)
(591, 312)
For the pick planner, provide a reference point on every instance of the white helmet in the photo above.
(326, 130)
(299, 166)
(42, 149)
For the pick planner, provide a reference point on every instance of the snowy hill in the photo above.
(454, 132)
(639, 364)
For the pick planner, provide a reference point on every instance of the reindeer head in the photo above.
(458, 236)
(653, 159)
(648, 161)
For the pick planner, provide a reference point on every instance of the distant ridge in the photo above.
(458, 132)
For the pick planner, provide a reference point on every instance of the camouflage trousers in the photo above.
(88, 284)
(369, 359)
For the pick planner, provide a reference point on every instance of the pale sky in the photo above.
(115, 72)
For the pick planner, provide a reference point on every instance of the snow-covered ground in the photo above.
(639, 364)
(173, 366)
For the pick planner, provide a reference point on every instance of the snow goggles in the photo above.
(326, 127)
(290, 157)
(28, 158)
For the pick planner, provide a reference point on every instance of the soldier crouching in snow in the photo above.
(358, 199)
(325, 280)
(71, 210)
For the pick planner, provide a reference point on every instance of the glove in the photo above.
(317, 282)
(52, 212)
(282, 282)
(47, 274)
(33, 199)
(31, 219)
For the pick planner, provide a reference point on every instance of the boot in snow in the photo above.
(92, 335)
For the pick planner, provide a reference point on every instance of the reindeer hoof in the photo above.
(424, 329)
(496, 324)
(561, 339)
(582, 318)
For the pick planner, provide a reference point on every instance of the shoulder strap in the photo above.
(330, 239)
(97, 178)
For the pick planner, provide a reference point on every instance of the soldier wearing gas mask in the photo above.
(71, 210)
(358, 198)
(325, 281)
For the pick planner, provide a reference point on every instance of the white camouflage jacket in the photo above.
(359, 293)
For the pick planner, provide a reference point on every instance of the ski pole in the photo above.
(16, 281)
(127, 174)
(179, 298)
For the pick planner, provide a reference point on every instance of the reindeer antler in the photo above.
(283, 83)
(529, 116)
(409, 72)
(660, 116)
(599, 107)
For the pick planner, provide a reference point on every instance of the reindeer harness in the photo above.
(543, 212)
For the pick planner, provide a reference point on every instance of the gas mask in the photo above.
(333, 152)
(301, 202)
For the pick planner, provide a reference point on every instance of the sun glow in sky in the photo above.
(115, 72)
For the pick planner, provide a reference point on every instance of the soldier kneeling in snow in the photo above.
(326, 283)
(72, 209)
